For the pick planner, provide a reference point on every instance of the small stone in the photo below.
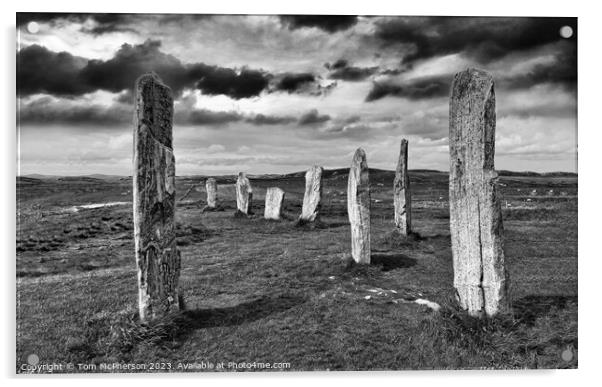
(401, 192)
(313, 194)
(211, 189)
(358, 207)
(274, 199)
(244, 194)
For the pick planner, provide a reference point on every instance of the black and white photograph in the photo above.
(203, 192)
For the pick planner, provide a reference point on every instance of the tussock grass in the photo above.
(452, 338)
(109, 336)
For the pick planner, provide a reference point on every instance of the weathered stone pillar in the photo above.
(244, 194)
(358, 207)
(274, 198)
(480, 276)
(401, 192)
(157, 258)
(211, 188)
(313, 195)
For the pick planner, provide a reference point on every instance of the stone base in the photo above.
(240, 214)
(307, 224)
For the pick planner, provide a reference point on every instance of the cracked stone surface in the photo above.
(274, 199)
(358, 207)
(402, 200)
(244, 193)
(157, 258)
(480, 276)
(312, 198)
(211, 189)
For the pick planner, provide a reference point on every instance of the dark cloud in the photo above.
(129, 62)
(46, 110)
(43, 71)
(293, 82)
(343, 71)
(40, 70)
(483, 39)
(40, 17)
(562, 70)
(214, 80)
(49, 110)
(109, 22)
(205, 117)
(416, 89)
(312, 117)
(339, 64)
(328, 23)
(261, 119)
(300, 83)
(212, 118)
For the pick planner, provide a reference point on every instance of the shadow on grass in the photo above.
(436, 237)
(120, 334)
(318, 224)
(236, 315)
(530, 308)
(392, 261)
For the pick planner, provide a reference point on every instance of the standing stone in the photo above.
(480, 276)
(211, 188)
(358, 207)
(313, 195)
(157, 258)
(274, 198)
(401, 192)
(244, 194)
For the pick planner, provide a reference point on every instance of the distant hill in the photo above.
(536, 174)
(97, 176)
(28, 180)
(328, 173)
(38, 176)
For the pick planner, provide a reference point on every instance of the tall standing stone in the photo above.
(358, 207)
(480, 276)
(157, 258)
(274, 198)
(211, 189)
(401, 192)
(313, 195)
(244, 194)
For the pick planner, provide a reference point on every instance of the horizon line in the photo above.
(300, 171)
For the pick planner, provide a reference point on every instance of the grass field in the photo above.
(269, 292)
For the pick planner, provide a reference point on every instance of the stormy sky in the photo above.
(276, 94)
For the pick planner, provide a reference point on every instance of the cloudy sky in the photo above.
(275, 94)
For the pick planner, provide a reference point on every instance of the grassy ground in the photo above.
(267, 291)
